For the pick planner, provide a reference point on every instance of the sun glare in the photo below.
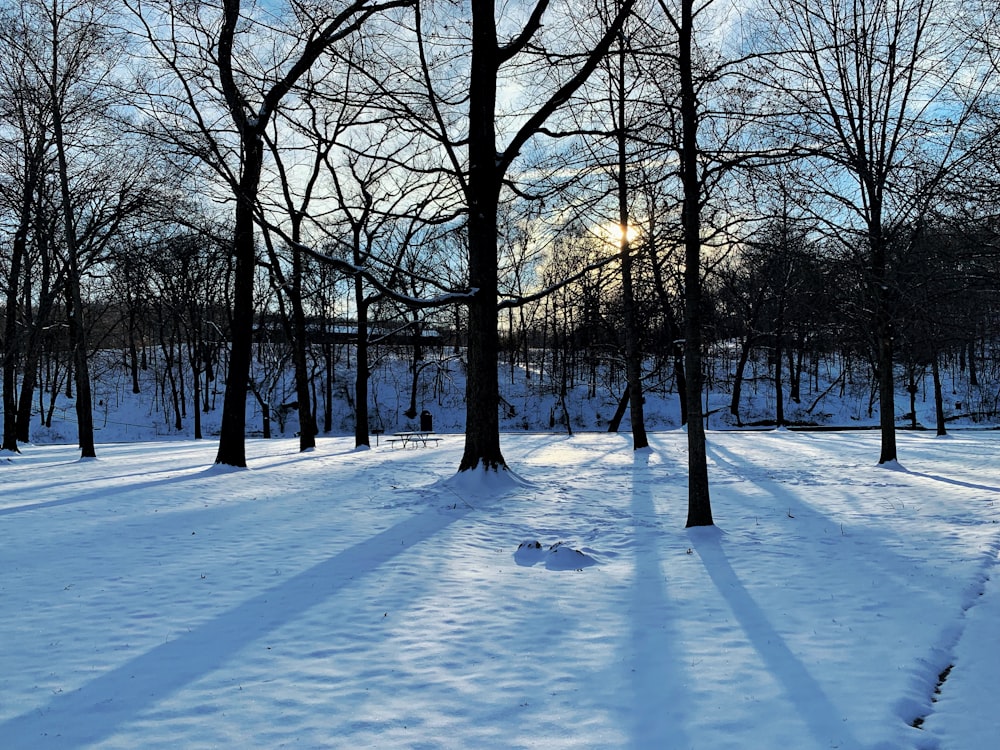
(613, 233)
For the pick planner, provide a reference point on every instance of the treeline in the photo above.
(623, 185)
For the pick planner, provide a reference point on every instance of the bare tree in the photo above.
(877, 92)
(68, 54)
(490, 150)
(24, 111)
(211, 52)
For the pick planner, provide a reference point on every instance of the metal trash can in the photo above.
(426, 421)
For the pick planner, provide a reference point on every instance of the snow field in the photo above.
(345, 599)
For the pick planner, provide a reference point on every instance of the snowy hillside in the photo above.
(830, 396)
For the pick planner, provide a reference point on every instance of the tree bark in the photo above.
(482, 395)
(361, 417)
(77, 325)
(883, 341)
(938, 397)
(300, 346)
(232, 431)
(251, 124)
(487, 166)
(699, 498)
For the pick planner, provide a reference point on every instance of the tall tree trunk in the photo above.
(133, 351)
(487, 166)
(482, 394)
(482, 429)
(232, 431)
(361, 418)
(633, 353)
(26, 397)
(77, 324)
(300, 347)
(883, 342)
(699, 499)
(938, 397)
(328, 361)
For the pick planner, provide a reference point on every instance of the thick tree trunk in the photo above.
(699, 499)
(25, 399)
(77, 325)
(482, 429)
(232, 432)
(482, 394)
(81, 373)
(886, 398)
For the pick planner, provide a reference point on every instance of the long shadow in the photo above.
(824, 720)
(955, 482)
(657, 679)
(122, 693)
(886, 536)
(106, 491)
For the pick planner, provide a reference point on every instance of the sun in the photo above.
(612, 233)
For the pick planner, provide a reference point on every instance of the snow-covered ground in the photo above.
(355, 599)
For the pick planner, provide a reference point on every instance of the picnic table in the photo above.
(415, 438)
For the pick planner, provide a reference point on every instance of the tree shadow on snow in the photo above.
(106, 490)
(955, 482)
(823, 719)
(124, 692)
(660, 706)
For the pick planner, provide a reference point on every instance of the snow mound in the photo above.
(486, 483)
(555, 557)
